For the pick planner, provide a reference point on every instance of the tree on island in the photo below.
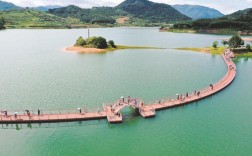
(80, 42)
(2, 22)
(235, 42)
(111, 43)
(215, 44)
(95, 42)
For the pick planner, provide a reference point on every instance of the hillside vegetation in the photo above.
(98, 15)
(27, 18)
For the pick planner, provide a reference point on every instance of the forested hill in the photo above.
(240, 20)
(242, 15)
(8, 6)
(141, 9)
(155, 12)
(94, 15)
(197, 11)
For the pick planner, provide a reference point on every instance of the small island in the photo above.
(99, 45)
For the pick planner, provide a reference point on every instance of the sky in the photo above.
(224, 6)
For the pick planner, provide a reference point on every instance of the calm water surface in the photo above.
(37, 73)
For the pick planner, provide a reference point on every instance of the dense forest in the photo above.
(240, 20)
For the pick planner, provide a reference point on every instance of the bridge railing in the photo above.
(49, 111)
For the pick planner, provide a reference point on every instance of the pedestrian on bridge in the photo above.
(211, 86)
(198, 93)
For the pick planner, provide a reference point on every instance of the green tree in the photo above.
(97, 42)
(2, 22)
(235, 42)
(80, 42)
(224, 42)
(101, 43)
(112, 44)
(215, 44)
(248, 47)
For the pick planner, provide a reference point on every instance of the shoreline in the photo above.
(77, 49)
(209, 50)
(211, 32)
(213, 51)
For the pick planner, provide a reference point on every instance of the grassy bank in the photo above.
(247, 54)
(212, 31)
(242, 52)
(179, 30)
(218, 51)
(211, 50)
(120, 47)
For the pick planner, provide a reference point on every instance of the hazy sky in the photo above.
(225, 6)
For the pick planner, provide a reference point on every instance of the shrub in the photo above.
(80, 42)
(215, 44)
(112, 44)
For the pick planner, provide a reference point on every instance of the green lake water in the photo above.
(35, 72)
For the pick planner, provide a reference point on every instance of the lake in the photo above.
(36, 73)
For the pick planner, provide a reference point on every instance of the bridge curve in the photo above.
(112, 112)
(206, 92)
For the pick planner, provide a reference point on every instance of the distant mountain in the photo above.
(8, 6)
(197, 11)
(238, 21)
(154, 12)
(46, 8)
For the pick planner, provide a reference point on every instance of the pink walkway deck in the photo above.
(146, 110)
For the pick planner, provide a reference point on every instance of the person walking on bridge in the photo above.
(211, 86)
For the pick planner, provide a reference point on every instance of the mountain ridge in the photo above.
(8, 6)
(152, 11)
(198, 11)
